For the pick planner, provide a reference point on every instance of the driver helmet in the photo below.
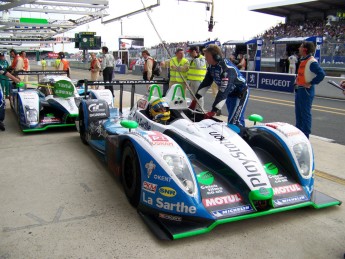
(159, 110)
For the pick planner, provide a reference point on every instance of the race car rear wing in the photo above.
(40, 72)
(123, 83)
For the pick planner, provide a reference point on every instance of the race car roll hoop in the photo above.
(122, 83)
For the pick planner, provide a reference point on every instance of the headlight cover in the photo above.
(179, 167)
(31, 115)
(303, 157)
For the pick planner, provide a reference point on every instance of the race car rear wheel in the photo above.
(82, 130)
(130, 172)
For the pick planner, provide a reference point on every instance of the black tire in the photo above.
(130, 173)
(82, 128)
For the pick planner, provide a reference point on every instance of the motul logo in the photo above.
(217, 201)
(287, 189)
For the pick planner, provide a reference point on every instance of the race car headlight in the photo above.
(180, 168)
(31, 115)
(303, 157)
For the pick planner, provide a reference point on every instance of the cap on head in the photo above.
(196, 48)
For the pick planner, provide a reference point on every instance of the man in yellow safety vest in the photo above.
(197, 70)
(179, 66)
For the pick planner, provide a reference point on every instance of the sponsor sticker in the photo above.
(167, 191)
(96, 107)
(221, 200)
(162, 178)
(289, 200)
(287, 189)
(149, 187)
(150, 167)
(212, 189)
(271, 169)
(170, 217)
(233, 211)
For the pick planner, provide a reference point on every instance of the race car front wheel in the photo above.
(130, 172)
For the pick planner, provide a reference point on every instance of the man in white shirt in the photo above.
(107, 67)
(292, 64)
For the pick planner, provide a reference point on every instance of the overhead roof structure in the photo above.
(291, 7)
(42, 30)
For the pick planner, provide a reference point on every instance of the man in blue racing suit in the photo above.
(2, 97)
(233, 89)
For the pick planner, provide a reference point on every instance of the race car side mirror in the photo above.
(128, 124)
(255, 118)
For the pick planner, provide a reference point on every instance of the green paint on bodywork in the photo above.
(128, 124)
(252, 215)
(64, 89)
(271, 168)
(49, 126)
(256, 118)
(205, 178)
(154, 86)
(178, 86)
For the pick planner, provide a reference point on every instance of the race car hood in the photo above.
(223, 143)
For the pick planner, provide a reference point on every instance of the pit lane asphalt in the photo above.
(58, 200)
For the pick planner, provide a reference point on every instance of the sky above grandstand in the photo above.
(179, 21)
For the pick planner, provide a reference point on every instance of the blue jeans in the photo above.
(303, 101)
(236, 108)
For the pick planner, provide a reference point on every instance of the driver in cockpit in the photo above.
(159, 111)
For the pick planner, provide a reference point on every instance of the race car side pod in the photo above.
(170, 56)
(335, 85)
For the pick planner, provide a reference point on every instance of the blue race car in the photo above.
(187, 175)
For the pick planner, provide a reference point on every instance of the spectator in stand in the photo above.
(292, 64)
(179, 66)
(64, 64)
(43, 64)
(148, 65)
(107, 67)
(242, 64)
(5, 84)
(26, 64)
(95, 67)
(309, 74)
(17, 63)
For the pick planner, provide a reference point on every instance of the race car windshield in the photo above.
(161, 107)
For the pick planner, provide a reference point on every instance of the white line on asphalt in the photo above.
(323, 139)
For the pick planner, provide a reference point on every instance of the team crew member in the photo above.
(148, 65)
(95, 67)
(197, 70)
(57, 63)
(309, 74)
(17, 62)
(64, 64)
(5, 84)
(26, 64)
(3, 73)
(232, 86)
(43, 64)
(178, 68)
(107, 67)
(292, 64)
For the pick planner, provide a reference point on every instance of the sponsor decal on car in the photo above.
(158, 139)
(286, 129)
(167, 191)
(205, 178)
(221, 200)
(180, 207)
(50, 120)
(150, 167)
(96, 107)
(287, 189)
(162, 178)
(212, 189)
(149, 187)
(251, 166)
(278, 178)
(170, 217)
(142, 104)
(233, 211)
(295, 199)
